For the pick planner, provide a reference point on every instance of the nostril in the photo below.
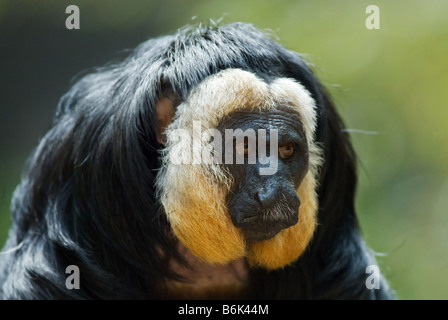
(266, 196)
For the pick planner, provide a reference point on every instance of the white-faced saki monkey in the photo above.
(210, 163)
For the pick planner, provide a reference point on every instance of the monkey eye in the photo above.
(244, 148)
(286, 150)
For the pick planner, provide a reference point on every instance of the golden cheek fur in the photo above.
(193, 195)
(201, 222)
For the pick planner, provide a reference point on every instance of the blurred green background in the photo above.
(390, 86)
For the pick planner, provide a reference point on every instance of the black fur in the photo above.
(87, 197)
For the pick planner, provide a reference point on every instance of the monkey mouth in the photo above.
(268, 224)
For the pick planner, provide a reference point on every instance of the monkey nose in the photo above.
(267, 196)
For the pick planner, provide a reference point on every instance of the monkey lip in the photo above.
(259, 228)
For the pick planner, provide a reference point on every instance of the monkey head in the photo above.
(240, 168)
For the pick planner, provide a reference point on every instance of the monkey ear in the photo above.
(165, 113)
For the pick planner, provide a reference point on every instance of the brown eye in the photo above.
(243, 148)
(285, 151)
(246, 146)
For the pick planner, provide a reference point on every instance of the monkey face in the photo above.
(261, 205)
(263, 210)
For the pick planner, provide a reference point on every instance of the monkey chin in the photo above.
(254, 236)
